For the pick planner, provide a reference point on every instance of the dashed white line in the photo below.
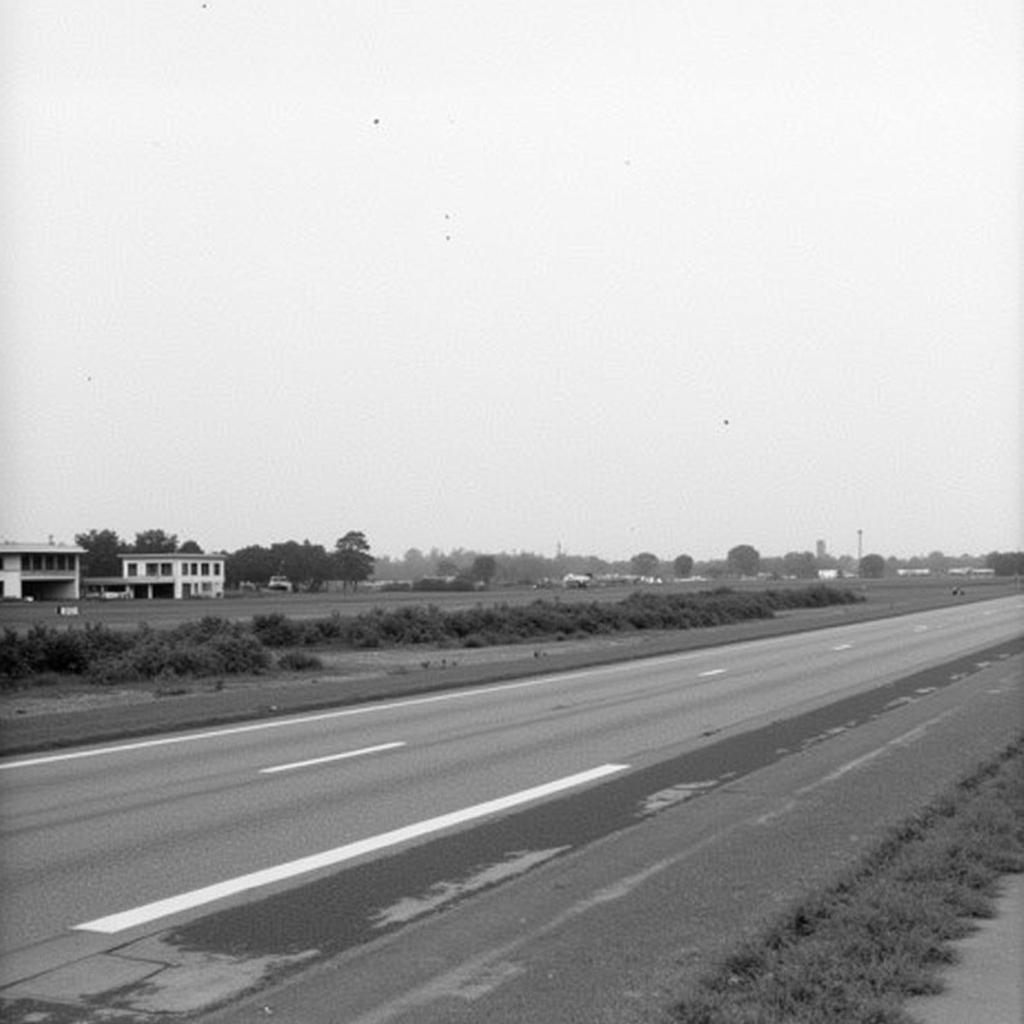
(842, 647)
(711, 672)
(331, 757)
(120, 922)
(348, 712)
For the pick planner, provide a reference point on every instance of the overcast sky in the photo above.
(620, 276)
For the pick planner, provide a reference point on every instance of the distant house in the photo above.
(162, 575)
(43, 572)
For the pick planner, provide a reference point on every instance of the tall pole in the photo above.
(860, 546)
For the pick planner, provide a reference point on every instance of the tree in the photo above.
(645, 564)
(353, 559)
(153, 542)
(872, 567)
(252, 564)
(801, 564)
(1006, 563)
(101, 550)
(682, 565)
(483, 569)
(743, 560)
(416, 564)
(190, 547)
(447, 567)
(306, 565)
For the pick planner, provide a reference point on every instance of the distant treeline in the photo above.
(311, 567)
(216, 647)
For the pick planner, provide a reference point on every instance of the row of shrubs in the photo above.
(508, 624)
(209, 647)
(215, 647)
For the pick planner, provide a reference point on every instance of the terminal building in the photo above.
(40, 572)
(161, 575)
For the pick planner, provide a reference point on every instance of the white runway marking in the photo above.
(331, 757)
(842, 647)
(199, 897)
(711, 672)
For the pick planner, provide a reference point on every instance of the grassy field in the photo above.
(858, 950)
(882, 597)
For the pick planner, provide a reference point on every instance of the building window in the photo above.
(195, 568)
(206, 568)
(152, 568)
(165, 569)
(133, 568)
(217, 567)
(26, 563)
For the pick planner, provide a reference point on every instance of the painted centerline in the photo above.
(711, 672)
(120, 922)
(331, 757)
(842, 647)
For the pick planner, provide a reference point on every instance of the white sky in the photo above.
(495, 275)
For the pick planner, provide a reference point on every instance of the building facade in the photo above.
(162, 575)
(40, 572)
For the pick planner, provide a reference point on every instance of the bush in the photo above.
(298, 661)
(277, 630)
(209, 647)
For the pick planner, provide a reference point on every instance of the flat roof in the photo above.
(166, 556)
(42, 548)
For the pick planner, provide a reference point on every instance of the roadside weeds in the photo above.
(881, 934)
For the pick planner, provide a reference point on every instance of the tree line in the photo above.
(312, 566)
(308, 566)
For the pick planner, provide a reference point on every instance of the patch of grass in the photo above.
(882, 933)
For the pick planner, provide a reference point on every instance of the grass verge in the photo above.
(883, 932)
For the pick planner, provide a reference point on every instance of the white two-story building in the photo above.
(162, 575)
(40, 572)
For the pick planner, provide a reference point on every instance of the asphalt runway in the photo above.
(211, 839)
